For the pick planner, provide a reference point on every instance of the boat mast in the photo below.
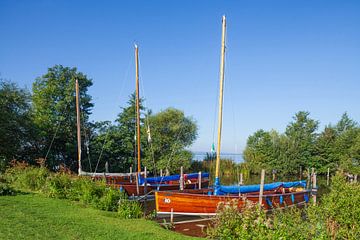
(222, 66)
(78, 125)
(137, 108)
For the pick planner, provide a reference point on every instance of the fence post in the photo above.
(161, 173)
(328, 177)
(131, 174)
(261, 186)
(241, 179)
(181, 178)
(314, 188)
(199, 180)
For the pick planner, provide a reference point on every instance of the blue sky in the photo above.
(282, 57)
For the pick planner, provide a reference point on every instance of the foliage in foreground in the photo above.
(62, 185)
(336, 217)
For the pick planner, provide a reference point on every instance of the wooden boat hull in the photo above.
(201, 204)
(131, 189)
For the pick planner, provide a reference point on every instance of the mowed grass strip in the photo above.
(32, 216)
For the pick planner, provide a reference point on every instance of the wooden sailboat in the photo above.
(125, 180)
(276, 195)
(145, 186)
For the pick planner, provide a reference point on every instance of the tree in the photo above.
(302, 135)
(55, 113)
(15, 122)
(171, 132)
(115, 143)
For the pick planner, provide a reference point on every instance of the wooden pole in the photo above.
(300, 175)
(273, 175)
(131, 174)
(181, 178)
(78, 125)
(312, 176)
(314, 188)
(137, 183)
(172, 216)
(328, 177)
(137, 108)
(308, 179)
(241, 179)
(199, 180)
(261, 186)
(106, 167)
(222, 67)
(161, 172)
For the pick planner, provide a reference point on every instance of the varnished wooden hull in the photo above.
(131, 189)
(201, 204)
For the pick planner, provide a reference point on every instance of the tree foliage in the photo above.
(15, 123)
(55, 113)
(171, 133)
(302, 147)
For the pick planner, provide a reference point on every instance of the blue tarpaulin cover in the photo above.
(223, 190)
(173, 178)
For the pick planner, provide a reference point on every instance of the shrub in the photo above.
(129, 209)
(110, 199)
(6, 190)
(341, 209)
(58, 185)
(23, 177)
(231, 223)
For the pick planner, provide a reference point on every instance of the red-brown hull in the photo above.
(201, 204)
(131, 189)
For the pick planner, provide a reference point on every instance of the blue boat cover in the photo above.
(173, 178)
(235, 189)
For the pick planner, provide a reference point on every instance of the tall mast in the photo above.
(137, 108)
(78, 124)
(222, 67)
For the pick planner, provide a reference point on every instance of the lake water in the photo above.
(237, 157)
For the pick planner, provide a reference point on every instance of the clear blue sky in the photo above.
(282, 57)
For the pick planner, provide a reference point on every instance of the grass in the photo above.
(32, 216)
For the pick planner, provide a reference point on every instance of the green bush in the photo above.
(6, 190)
(231, 223)
(341, 207)
(110, 199)
(129, 209)
(58, 186)
(23, 177)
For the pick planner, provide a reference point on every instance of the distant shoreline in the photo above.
(237, 157)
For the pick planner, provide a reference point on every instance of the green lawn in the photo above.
(35, 217)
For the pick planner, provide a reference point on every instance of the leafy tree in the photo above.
(325, 147)
(115, 143)
(55, 113)
(15, 122)
(171, 133)
(301, 135)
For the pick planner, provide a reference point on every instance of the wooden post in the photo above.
(314, 188)
(137, 183)
(172, 216)
(161, 172)
(261, 186)
(167, 173)
(273, 175)
(145, 184)
(78, 125)
(106, 167)
(181, 179)
(308, 179)
(131, 174)
(328, 177)
(312, 176)
(241, 179)
(300, 175)
(199, 180)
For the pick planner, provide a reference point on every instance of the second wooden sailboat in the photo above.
(205, 203)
